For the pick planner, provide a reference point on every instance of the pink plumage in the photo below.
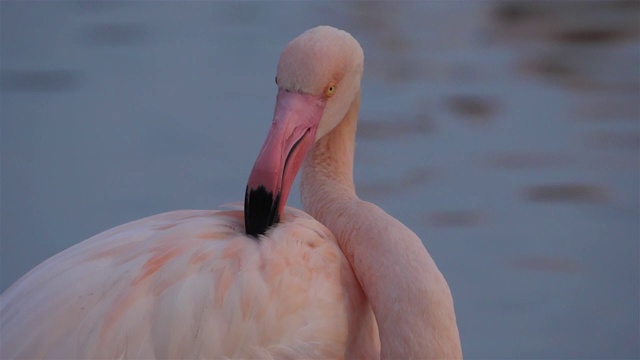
(191, 284)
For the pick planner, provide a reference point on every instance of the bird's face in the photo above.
(318, 77)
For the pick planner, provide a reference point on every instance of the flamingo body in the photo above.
(191, 284)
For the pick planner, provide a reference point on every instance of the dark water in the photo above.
(505, 134)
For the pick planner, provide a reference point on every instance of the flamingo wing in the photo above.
(191, 284)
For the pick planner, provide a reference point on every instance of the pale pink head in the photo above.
(318, 77)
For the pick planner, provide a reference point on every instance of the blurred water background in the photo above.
(505, 134)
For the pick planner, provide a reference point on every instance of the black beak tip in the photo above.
(260, 210)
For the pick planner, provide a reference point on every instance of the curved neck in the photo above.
(409, 296)
(328, 167)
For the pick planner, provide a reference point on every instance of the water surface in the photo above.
(505, 134)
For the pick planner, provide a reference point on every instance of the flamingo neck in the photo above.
(409, 296)
(328, 168)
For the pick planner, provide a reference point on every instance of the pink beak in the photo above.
(292, 134)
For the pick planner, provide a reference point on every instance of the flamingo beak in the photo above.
(292, 134)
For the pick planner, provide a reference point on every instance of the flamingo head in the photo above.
(318, 78)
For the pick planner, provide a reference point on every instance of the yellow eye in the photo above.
(330, 89)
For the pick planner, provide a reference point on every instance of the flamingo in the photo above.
(345, 280)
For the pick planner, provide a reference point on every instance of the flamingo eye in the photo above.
(330, 89)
